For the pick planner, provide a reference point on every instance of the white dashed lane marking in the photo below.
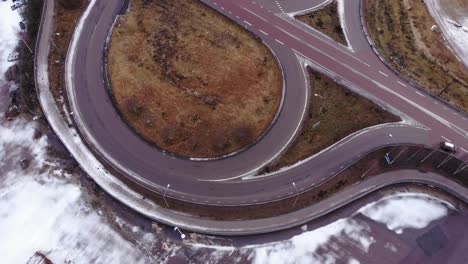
(446, 139)
(280, 42)
(383, 73)
(402, 84)
(420, 94)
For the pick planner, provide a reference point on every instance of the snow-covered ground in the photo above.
(452, 18)
(40, 212)
(40, 209)
(306, 247)
(9, 26)
(43, 209)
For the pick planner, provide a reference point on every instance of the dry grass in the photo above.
(326, 20)
(401, 31)
(191, 81)
(334, 113)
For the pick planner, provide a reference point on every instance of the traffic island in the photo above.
(191, 81)
(334, 113)
(326, 20)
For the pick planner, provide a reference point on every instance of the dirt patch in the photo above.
(189, 80)
(402, 33)
(334, 113)
(326, 20)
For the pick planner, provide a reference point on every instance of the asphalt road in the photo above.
(224, 181)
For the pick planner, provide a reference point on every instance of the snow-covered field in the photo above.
(44, 213)
(452, 18)
(42, 209)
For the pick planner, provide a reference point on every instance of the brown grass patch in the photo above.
(334, 113)
(326, 20)
(191, 81)
(401, 31)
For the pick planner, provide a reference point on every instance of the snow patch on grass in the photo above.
(304, 248)
(46, 214)
(41, 211)
(409, 210)
(324, 245)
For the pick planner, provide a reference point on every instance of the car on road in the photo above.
(449, 147)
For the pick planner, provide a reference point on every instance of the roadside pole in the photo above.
(29, 48)
(182, 235)
(297, 196)
(164, 195)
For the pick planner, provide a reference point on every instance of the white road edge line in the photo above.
(247, 23)
(266, 34)
(402, 84)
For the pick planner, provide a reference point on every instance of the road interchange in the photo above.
(280, 35)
